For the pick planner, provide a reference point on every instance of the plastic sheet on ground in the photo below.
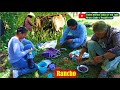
(48, 44)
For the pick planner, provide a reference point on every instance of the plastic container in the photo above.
(74, 58)
(52, 66)
(50, 75)
(42, 66)
(48, 62)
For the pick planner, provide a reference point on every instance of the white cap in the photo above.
(31, 14)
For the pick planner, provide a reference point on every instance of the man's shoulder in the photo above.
(114, 30)
(81, 25)
(14, 39)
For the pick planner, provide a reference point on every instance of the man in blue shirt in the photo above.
(75, 35)
(20, 55)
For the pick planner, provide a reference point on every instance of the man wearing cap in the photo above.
(28, 21)
(104, 47)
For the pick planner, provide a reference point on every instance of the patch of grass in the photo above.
(90, 32)
(93, 71)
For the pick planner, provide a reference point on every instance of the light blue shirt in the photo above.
(79, 34)
(15, 49)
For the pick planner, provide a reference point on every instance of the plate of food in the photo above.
(82, 68)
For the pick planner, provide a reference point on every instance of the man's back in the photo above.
(81, 29)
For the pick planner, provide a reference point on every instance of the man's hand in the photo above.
(79, 59)
(98, 59)
(69, 40)
(30, 50)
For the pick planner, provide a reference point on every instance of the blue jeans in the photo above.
(72, 45)
(94, 48)
(22, 65)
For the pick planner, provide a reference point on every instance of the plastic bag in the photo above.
(76, 53)
(51, 53)
(49, 44)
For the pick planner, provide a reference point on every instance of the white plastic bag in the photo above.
(49, 44)
(77, 53)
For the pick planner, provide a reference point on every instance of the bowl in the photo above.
(82, 68)
(52, 66)
(42, 67)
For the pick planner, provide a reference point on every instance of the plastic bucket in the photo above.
(42, 66)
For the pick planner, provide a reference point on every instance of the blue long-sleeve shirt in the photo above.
(79, 34)
(15, 49)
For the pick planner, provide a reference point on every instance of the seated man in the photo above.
(20, 56)
(103, 47)
(78, 37)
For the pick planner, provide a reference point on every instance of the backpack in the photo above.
(51, 53)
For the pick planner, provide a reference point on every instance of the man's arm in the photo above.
(62, 40)
(108, 55)
(25, 41)
(113, 52)
(81, 54)
(82, 51)
(101, 58)
(16, 49)
(116, 43)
